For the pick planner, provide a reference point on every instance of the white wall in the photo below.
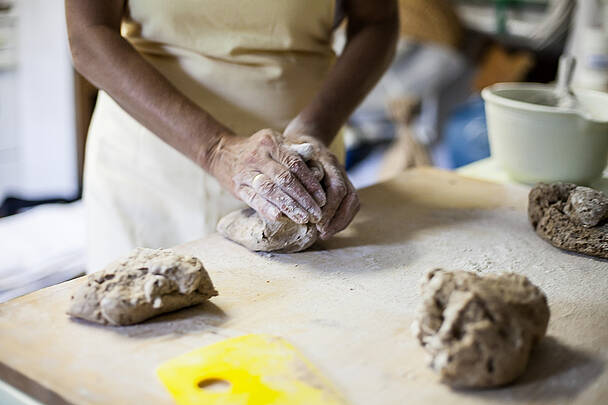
(42, 104)
(8, 102)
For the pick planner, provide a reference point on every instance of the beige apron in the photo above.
(252, 64)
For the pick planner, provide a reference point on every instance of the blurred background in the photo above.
(427, 109)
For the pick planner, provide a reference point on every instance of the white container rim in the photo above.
(490, 94)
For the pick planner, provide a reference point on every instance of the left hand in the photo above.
(342, 200)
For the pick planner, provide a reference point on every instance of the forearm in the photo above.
(112, 64)
(368, 52)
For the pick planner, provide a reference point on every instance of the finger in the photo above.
(345, 214)
(269, 190)
(300, 169)
(263, 207)
(290, 184)
(336, 189)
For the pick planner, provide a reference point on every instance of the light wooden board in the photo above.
(348, 306)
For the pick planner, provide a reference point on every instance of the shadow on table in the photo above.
(555, 372)
(206, 317)
(390, 218)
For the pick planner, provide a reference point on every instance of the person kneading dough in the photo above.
(198, 101)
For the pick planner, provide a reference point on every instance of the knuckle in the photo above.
(266, 138)
(246, 196)
(292, 162)
(332, 159)
(266, 187)
(285, 178)
(340, 189)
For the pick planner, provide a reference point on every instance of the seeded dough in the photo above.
(570, 217)
(479, 330)
(246, 227)
(147, 283)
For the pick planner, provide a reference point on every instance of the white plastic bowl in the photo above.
(534, 142)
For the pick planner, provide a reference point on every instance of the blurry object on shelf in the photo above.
(426, 62)
(432, 21)
(421, 71)
(589, 44)
(466, 133)
(41, 247)
(498, 66)
(537, 24)
(8, 35)
(430, 68)
(405, 151)
(593, 67)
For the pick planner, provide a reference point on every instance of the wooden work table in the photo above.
(347, 305)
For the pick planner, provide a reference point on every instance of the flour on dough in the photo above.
(246, 227)
(479, 330)
(570, 217)
(147, 283)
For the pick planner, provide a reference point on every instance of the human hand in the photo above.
(271, 178)
(342, 199)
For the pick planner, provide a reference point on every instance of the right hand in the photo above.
(265, 174)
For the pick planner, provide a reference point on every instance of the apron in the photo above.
(251, 64)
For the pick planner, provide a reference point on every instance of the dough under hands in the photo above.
(246, 227)
(147, 283)
(570, 217)
(479, 330)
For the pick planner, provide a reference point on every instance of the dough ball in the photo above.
(246, 227)
(147, 283)
(570, 217)
(479, 330)
(586, 206)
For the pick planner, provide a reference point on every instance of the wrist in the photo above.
(211, 152)
(299, 129)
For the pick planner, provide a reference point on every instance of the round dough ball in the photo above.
(479, 330)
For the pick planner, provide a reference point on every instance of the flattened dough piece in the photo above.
(479, 330)
(570, 217)
(147, 283)
(246, 227)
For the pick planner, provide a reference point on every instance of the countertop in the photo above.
(348, 305)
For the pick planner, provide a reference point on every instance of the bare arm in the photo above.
(284, 184)
(109, 62)
(373, 28)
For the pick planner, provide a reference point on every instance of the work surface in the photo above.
(347, 305)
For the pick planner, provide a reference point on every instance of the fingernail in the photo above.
(316, 215)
